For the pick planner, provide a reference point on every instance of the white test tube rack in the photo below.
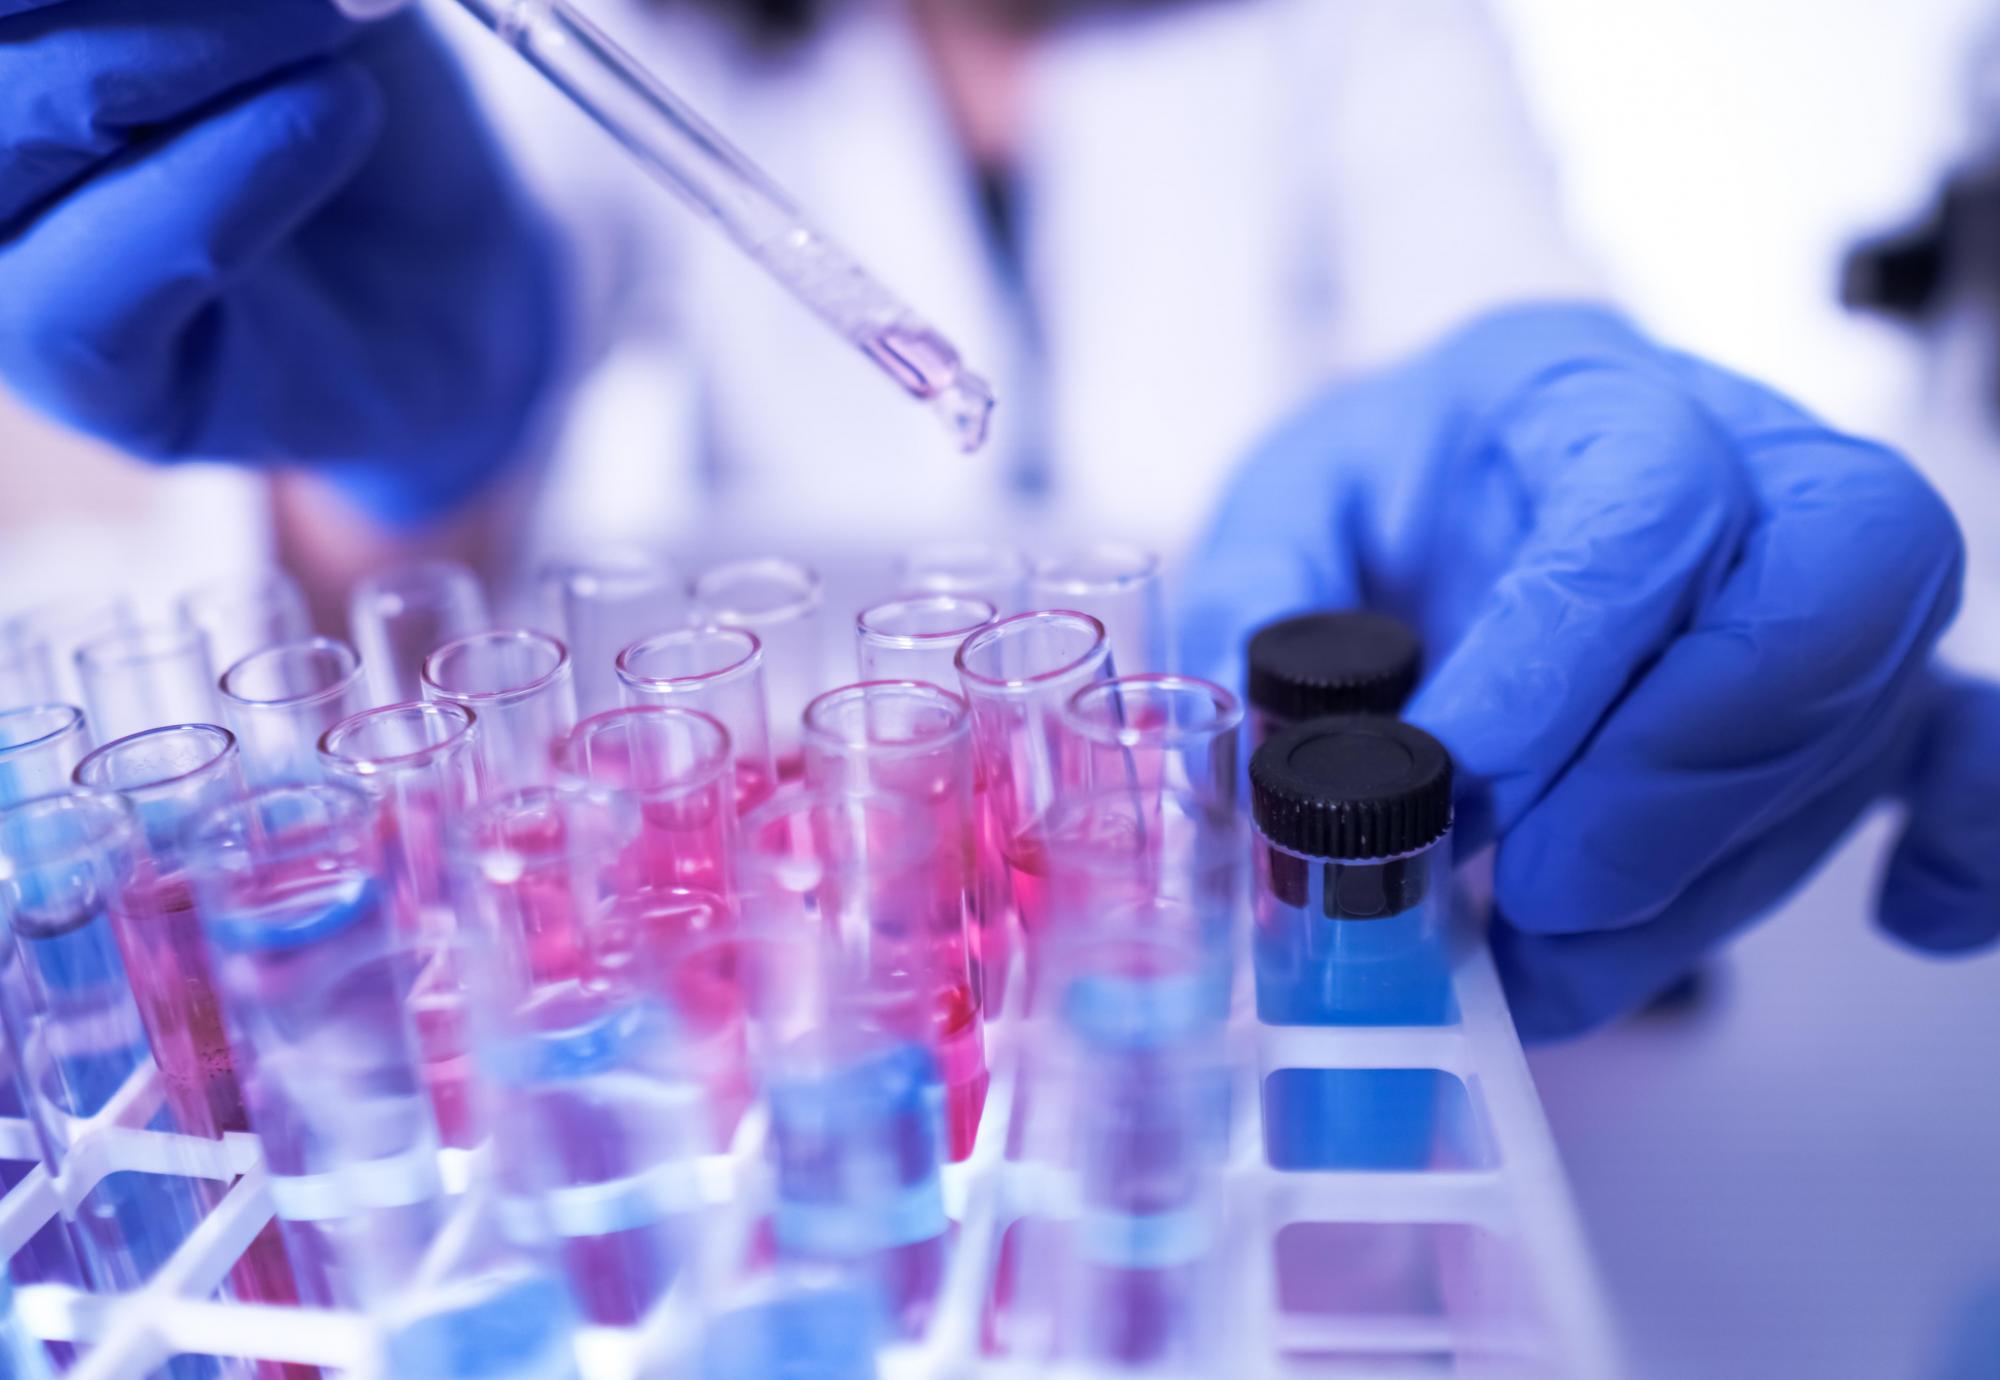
(1510, 1292)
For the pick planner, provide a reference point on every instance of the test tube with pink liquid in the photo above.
(418, 762)
(170, 777)
(721, 672)
(913, 741)
(1017, 676)
(595, 1073)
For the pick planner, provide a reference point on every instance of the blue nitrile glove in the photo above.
(261, 232)
(1680, 638)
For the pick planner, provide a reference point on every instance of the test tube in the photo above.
(913, 740)
(1339, 661)
(779, 600)
(520, 685)
(50, 635)
(26, 677)
(69, 1013)
(242, 613)
(673, 764)
(971, 570)
(918, 638)
(418, 762)
(170, 777)
(601, 606)
(719, 671)
(1141, 1080)
(401, 615)
(40, 746)
(295, 900)
(1121, 587)
(281, 699)
(1018, 675)
(592, 1068)
(143, 678)
(857, 1114)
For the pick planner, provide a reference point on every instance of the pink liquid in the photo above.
(960, 1046)
(754, 786)
(438, 1016)
(159, 934)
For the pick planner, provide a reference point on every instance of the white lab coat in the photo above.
(1223, 205)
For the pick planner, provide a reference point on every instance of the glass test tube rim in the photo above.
(348, 660)
(712, 769)
(97, 762)
(137, 643)
(818, 732)
(629, 571)
(398, 580)
(349, 809)
(31, 625)
(1009, 565)
(554, 675)
(1145, 565)
(811, 590)
(922, 641)
(1229, 712)
(236, 592)
(463, 719)
(740, 669)
(1040, 680)
(108, 817)
(69, 720)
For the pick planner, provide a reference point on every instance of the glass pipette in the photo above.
(691, 157)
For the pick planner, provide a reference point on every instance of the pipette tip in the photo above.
(966, 404)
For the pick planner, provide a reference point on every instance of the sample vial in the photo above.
(1335, 661)
(1353, 816)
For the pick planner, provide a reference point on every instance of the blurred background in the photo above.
(1795, 1175)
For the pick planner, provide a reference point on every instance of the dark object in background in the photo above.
(1954, 246)
(781, 21)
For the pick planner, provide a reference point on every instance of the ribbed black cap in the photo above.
(1346, 661)
(1355, 786)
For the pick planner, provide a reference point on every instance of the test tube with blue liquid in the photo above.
(857, 1099)
(1138, 1073)
(70, 1016)
(295, 900)
(581, 1050)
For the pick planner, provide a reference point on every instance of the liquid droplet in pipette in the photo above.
(926, 365)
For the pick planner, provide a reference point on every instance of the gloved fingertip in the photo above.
(1936, 914)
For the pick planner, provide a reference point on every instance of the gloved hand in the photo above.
(262, 232)
(1680, 637)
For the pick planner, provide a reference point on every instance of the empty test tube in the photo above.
(521, 685)
(603, 605)
(70, 1015)
(780, 601)
(401, 615)
(280, 699)
(971, 570)
(1120, 586)
(26, 676)
(143, 678)
(313, 971)
(592, 1068)
(40, 746)
(719, 671)
(918, 637)
(1017, 676)
(418, 762)
(49, 635)
(913, 741)
(242, 613)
